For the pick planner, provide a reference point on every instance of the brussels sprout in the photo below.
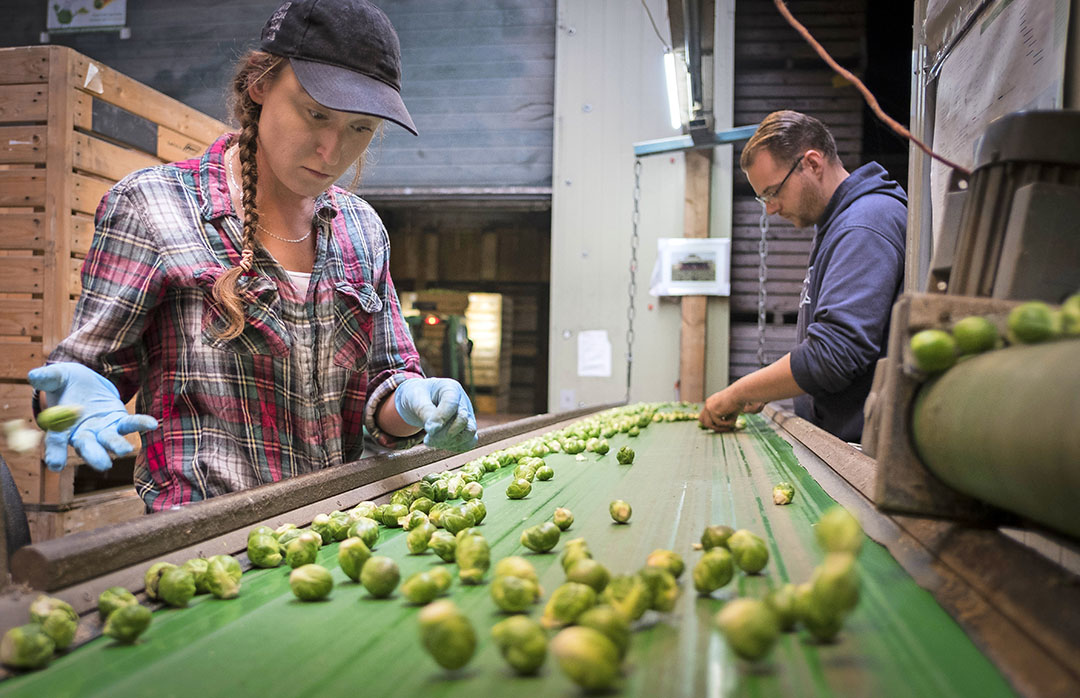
(514, 594)
(563, 518)
(471, 472)
(474, 558)
(835, 583)
(567, 603)
(26, 647)
(444, 545)
(574, 447)
(127, 623)
(525, 471)
(628, 594)
(611, 622)
(43, 606)
(311, 582)
(339, 526)
(59, 417)
(783, 493)
(287, 536)
(392, 514)
(420, 588)
(463, 533)
(300, 552)
(633, 431)
(366, 530)
(713, 571)
(220, 579)
(456, 519)
(440, 492)
(441, 576)
(57, 618)
(260, 531)
(283, 528)
(587, 656)
(822, 623)
(664, 588)
(590, 572)
(591, 444)
(620, 511)
(716, 536)
(490, 463)
(436, 513)
(782, 602)
(114, 598)
(153, 576)
(602, 447)
(516, 566)
(423, 504)
(519, 489)
(417, 540)
(380, 576)
(540, 538)
(198, 566)
(522, 643)
(839, 532)
(312, 538)
(472, 490)
(176, 586)
(748, 551)
(544, 473)
(740, 422)
(667, 559)
(422, 490)
(413, 519)
(749, 626)
(352, 554)
(625, 456)
(363, 509)
(402, 497)
(264, 551)
(477, 509)
(574, 550)
(447, 634)
(322, 525)
(432, 478)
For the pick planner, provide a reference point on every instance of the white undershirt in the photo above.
(300, 280)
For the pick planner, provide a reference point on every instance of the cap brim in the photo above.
(346, 90)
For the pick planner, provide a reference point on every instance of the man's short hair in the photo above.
(786, 135)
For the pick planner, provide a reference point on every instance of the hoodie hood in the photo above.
(871, 178)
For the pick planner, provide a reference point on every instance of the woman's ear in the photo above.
(257, 91)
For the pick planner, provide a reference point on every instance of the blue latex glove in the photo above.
(442, 408)
(104, 420)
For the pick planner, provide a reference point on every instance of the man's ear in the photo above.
(815, 160)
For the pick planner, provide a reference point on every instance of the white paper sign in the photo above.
(594, 354)
(83, 15)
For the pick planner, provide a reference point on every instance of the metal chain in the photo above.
(763, 254)
(632, 288)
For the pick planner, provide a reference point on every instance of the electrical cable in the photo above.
(655, 28)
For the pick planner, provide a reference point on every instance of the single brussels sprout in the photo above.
(443, 544)
(514, 594)
(260, 531)
(574, 447)
(519, 489)
(340, 522)
(283, 528)
(300, 552)
(392, 514)
(264, 551)
(563, 518)
(471, 472)
(567, 603)
(667, 559)
(517, 566)
(127, 623)
(441, 577)
(590, 572)
(472, 490)
(716, 536)
(456, 519)
(287, 536)
(423, 504)
(748, 551)
(835, 583)
(59, 417)
(544, 473)
(422, 490)
(628, 594)
(380, 576)
(176, 587)
(352, 554)
(633, 431)
(664, 588)
(783, 493)
(620, 511)
(413, 519)
(822, 623)
(522, 643)
(440, 492)
(231, 565)
(312, 538)
(322, 525)
(57, 618)
(525, 471)
(587, 656)
(417, 540)
(782, 602)
(592, 443)
(311, 582)
(490, 463)
(477, 509)
(749, 626)
(540, 538)
(602, 447)
(26, 647)
(44, 606)
(611, 622)
(453, 487)
(839, 532)
(220, 579)
(364, 509)
(436, 513)
(403, 497)
(447, 634)
(198, 566)
(625, 456)
(114, 598)
(153, 576)
(740, 422)
(474, 558)
(432, 478)
(574, 550)
(420, 588)
(366, 530)
(713, 571)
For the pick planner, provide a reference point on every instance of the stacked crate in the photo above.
(70, 127)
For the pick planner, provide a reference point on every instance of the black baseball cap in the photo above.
(345, 53)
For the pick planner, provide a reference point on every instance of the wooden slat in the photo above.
(22, 274)
(20, 317)
(694, 308)
(75, 279)
(82, 110)
(82, 234)
(22, 187)
(774, 273)
(97, 157)
(17, 358)
(59, 200)
(15, 401)
(21, 231)
(24, 64)
(88, 512)
(26, 472)
(774, 259)
(22, 145)
(174, 146)
(23, 103)
(87, 193)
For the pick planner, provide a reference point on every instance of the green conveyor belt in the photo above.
(897, 642)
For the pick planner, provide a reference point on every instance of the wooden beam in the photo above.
(695, 225)
(59, 158)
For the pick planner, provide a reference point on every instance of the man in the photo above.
(854, 275)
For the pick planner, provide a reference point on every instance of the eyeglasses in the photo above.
(766, 199)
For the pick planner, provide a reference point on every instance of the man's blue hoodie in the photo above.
(855, 273)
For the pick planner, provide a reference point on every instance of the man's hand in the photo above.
(442, 408)
(722, 408)
(103, 420)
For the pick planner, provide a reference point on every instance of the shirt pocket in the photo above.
(354, 310)
(264, 332)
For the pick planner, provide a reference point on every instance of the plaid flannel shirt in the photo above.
(289, 395)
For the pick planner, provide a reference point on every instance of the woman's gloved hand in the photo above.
(102, 423)
(442, 408)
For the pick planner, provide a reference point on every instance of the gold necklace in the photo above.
(234, 184)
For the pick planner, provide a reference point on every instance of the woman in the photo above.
(244, 299)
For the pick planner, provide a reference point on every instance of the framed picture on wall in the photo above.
(692, 267)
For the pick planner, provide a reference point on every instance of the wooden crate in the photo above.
(70, 127)
(85, 513)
